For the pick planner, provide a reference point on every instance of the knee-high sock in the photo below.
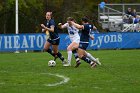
(60, 56)
(50, 52)
(69, 56)
(90, 57)
(76, 55)
(86, 59)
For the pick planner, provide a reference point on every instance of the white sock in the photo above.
(90, 57)
(69, 56)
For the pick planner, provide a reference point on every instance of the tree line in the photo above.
(32, 12)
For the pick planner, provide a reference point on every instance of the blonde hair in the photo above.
(70, 19)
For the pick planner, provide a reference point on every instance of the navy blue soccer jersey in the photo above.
(85, 33)
(53, 35)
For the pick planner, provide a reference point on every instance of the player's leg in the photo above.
(55, 44)
(57, 53)
(69, 51)
(74, 51)
(81, 54)
(76, 57)
(93, 58)
(82, 50)
(78, 62)
(47, 48)
(84, 46)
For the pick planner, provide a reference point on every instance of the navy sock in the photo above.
(50, 52)
(86, 59)
(76, 55)
(60, 56)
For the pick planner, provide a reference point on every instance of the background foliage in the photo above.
(32, 12)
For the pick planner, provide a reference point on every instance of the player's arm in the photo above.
(91, 37)
(94, 28)
(77, 25)
(43, 30)
(62, 26)
(51, 29)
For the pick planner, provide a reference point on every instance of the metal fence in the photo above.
(116, 13)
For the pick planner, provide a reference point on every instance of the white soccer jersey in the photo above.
(73, 33)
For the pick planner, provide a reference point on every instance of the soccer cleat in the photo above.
(97, 61)
(93, 65)
(67, 65)
(77, 64)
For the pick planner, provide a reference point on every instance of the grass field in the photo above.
(29, 73)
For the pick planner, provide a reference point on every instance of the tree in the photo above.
(32, 12)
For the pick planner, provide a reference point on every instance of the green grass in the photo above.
(119, 73)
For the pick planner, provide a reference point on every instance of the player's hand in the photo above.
(94, 27)
(92, 37)
(43, 30)
(43, 26)
(59, 24)
(72, 22)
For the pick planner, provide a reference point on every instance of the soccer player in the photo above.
(74, 37)
(53, 39)
(84, 42)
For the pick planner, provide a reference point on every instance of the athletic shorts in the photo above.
(75, 39)
(54, 41)
(83, 45)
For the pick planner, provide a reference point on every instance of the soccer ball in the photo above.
(51, 63)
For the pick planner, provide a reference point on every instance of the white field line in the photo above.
(65, 79)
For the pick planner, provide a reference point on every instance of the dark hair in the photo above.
(85, 19)
(70, 19)
(49, 12)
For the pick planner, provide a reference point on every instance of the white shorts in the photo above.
(75, 39)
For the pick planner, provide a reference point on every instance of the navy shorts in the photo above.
(83, 45)
(54, 41)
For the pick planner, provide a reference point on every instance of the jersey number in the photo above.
(72, 33)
